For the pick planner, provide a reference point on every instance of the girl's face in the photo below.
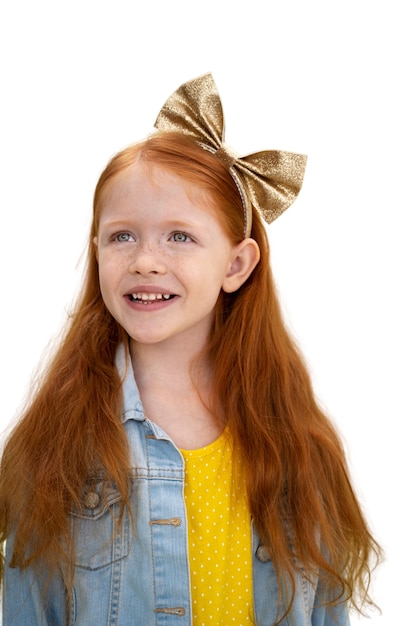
(163, 257)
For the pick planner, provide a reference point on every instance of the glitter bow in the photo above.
(269, 180)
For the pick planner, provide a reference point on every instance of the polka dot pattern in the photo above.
(219, 537)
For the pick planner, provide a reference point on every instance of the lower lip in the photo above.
(152, 305)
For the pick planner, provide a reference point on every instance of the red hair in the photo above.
(297, 479)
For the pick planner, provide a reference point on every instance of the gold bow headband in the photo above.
(270, 180)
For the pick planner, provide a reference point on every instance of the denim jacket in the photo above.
(136, 573)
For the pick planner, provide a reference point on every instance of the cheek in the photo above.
(109, 279)
(110, 266)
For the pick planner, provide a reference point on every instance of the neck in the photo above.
(175, 391)
(169, 365)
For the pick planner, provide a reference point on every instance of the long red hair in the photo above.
(297, 479)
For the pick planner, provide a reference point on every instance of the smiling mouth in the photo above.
(149, 298)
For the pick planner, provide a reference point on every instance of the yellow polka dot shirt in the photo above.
(219, 537)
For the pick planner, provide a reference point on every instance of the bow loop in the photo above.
(273, 180)
(268, 180)
(194, 109)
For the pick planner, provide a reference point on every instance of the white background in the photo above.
(336, 80)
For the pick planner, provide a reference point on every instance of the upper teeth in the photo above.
(151, 296)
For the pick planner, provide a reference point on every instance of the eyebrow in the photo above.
(168, 225)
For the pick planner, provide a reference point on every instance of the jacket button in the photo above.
(91, 500)
(262, 554)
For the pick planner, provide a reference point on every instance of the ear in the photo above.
(95, 244)
(245, 257)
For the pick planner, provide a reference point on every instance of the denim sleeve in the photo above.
(25, 601)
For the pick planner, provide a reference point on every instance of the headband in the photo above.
(268, 180)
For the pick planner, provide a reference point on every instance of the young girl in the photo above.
(173, 466)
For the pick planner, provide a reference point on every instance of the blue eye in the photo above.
(122, 237)
(180, 237)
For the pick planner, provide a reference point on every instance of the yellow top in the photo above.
(219, 537)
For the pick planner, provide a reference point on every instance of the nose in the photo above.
(147, 259)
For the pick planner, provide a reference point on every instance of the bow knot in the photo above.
(268, 180)
(226, 155)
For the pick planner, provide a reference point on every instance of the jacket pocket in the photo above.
(101, 536)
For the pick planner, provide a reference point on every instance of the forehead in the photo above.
(145, 182)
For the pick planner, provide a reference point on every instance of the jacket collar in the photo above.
(132, 404)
